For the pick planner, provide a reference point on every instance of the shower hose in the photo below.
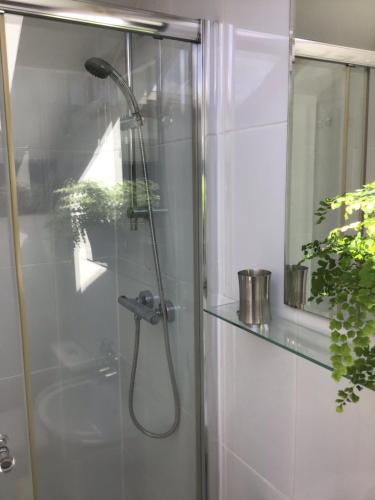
(137, 320)
(101, 68)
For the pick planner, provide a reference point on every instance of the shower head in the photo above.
(102, 69)
(98, 67)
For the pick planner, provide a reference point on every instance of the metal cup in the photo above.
(295, 279)
(254, 296)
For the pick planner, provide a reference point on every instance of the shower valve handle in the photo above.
(142, 311)
(7, 462)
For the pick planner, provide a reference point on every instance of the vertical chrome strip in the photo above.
(199, 214)
(345, 134)
(16, 244)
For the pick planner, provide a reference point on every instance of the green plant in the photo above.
(345, 275)
(88, 203)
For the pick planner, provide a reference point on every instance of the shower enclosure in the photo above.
(100, 254)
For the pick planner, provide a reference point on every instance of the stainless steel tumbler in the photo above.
(295, 279)
(254, 296)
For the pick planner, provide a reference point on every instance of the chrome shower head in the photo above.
(98, 67)
(102, 69)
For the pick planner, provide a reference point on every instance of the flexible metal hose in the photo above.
(102, 69)
(137, 320)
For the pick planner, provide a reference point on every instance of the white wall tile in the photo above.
(270, 16)
(255, 78)
(327, 443)
(254, 170)
(243, 483)
(259, 427)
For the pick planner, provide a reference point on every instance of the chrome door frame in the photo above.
(199, 204)
(106, 15)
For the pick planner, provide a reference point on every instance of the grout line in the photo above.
(252, 127)
(11, 377)
(259, 476)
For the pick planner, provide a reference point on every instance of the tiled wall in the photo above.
(279, 434)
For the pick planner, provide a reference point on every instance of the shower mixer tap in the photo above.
(143, 307)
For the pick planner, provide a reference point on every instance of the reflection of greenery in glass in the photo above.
(346, 276)
(88, 203)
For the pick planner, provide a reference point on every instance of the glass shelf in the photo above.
(302, 341)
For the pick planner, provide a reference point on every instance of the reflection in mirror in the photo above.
(331, 138)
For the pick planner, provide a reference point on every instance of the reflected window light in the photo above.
(105, 165)
(86, 271)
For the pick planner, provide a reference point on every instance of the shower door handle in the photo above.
(7, 462)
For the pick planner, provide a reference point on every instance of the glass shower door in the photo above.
(107, 193)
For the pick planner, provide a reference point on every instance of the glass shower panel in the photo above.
(86, 239)
(162, 80)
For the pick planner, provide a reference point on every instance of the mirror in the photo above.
(331, 146)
